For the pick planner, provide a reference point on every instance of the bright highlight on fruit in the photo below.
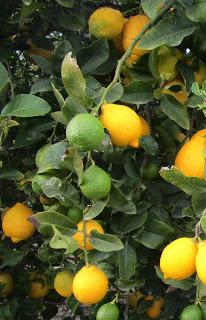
(90, 285)
(177, 261)
(63, 283)
(90, 226)
(96, 183)
(106, 23)
(123, 124)
(85, 132)
(15, 223)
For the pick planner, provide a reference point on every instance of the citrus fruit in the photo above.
(85, 132)
(106, 23)
(108, 311)
(190, 158)
(123, 124)
(90, 226)
(200, 133)
(191, 312)
(63, 283)
(38, 180)
(133, 299)
(201, 262)
(131, 29)
(200, 73)
(74, 214)
(6, 284)
(145, 128)
(90, 285)
(176, 89)
(203, 309)
(151, 170)
(96, 183)
(153, 312)
(166, 62)
(177, 261)
(15, 223)
(39, 287)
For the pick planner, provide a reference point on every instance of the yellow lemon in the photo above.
(177, 261)
(131, 29)
(39, 287)
(190, 158)
(15, 223)
(200, 133)
(63, 283)
(154, 311)
(201, 261)
(90, 285)
(106, 23)
(123, 124)
(90, 226)
(176, 89)
(6, 284)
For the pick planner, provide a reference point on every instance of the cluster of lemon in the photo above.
(180, 260)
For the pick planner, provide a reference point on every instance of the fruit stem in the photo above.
(115, 299)
(129, 51)
(197, 298)
(84, 235)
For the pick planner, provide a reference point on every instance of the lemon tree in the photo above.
(102, 160)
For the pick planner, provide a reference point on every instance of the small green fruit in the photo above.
(203, 309)
(151, 170)
(74, 214)
(108, 311)
(96, 183)
(191, 312)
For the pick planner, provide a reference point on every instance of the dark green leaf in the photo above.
(11, 174)
(149, 144)
(115, 93)
(105, 242)
(4, 77)
(197, 12)
(127, 261)
(41, 85)
(96, 208)
(73, 162)
(66, 3)
(138, 92)
(152, 10)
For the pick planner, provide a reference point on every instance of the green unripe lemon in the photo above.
(96, 183)
(75, 214)
(85, 132)
(191, 312)
(108, 311)
(203, 309)
(151, 170)
(38, 180)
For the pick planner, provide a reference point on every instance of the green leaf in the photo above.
(44, 222)
(197, 12)
(119, 202)
(131, 223)
(126, 285)
(4, 77)
(90, 58)
(58, 95)
(9, 310)
(175, 111)
(138, 92)
(62, 48)
(72, 107)
(203, 222)
(51, 157)
(199, 203)
(27, 10)
(152, 10)
(11, 174)
(187, 74)
(41, 85)
(96, 208)
(66, 3)
(74, 21)
(187, 184)
(61, 241)
(183, 284)
(171, 31)
(115, 93)
(63, 191)
(44, 64)
(149, 144)
(10, 257)
(127, 261)
(26, 105)
(105, 242)
(73, 162)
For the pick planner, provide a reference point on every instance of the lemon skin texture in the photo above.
(177, 261)
(90, 285)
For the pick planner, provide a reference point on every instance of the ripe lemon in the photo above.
(90, 226)
(39, 287)
(108, 311)
(106, 23)
(190, 158)
(154, 311)
(6, 284)
(90, 285)
(200, 133)
(145, 128)
(96, 183)
(131, 29)
(123, 124)
(74, 214)
(176, 89)
(133, 299)
(15, 223)
(200, 74)
(166, 63)
(85, 132)
(191, 312)
(63, 283)
(177, 261)
(201, 262)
